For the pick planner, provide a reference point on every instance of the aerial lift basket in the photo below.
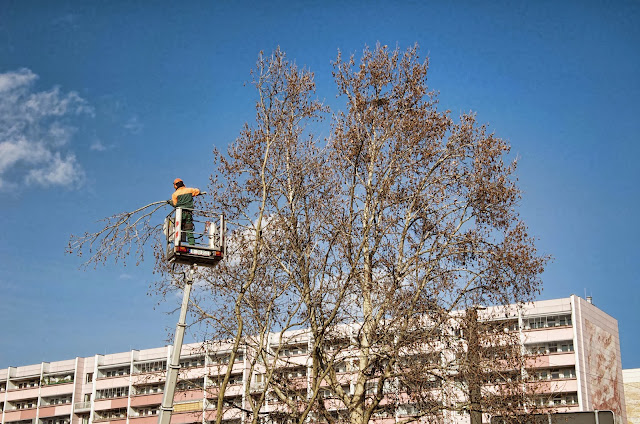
(208, 232)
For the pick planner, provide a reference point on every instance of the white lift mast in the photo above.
(209, 251)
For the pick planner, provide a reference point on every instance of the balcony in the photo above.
(82, 407)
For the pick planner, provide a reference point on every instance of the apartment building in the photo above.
(578, 367)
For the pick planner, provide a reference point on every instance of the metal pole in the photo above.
(166, 408)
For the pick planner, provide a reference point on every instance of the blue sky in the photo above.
(103, 104)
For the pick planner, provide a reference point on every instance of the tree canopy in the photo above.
(370, 242)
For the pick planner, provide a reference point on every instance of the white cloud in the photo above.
(35, 131)
(98, 146)
(12, 80)
(58, 171)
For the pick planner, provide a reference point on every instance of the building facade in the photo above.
(577, 365)
(632, 394)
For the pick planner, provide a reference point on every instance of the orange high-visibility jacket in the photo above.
(183, 197)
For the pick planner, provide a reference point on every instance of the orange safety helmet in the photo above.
(177, 180)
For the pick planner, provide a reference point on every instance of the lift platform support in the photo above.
(209, 251)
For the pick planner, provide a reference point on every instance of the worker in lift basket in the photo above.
(183, 198)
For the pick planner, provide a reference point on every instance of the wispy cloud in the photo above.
(134, 125)
(35, 131)
(98, 146)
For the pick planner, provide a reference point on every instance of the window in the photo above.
(62, 400)
(58, 420)
(114, 392)
(295, 350)
(153, 366)
(295, 373)
(150, 389)
(233, 379)
(194, 362)
(145, 412)
(551, 347)
(564, 320)
(566, 347)
(548, 321)
(88, 378)
(407, 409)
(341, 367)
(115, 372)
(190, 384)
(220, 359)
(325, 393)
(568, 373)
(27, 384)
(571, 399)
(26, 404)
(556, 374)
(112, 414)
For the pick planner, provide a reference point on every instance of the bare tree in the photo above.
(362, 248)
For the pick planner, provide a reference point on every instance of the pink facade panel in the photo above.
(543, 335)
(112, 382)
(151, 378)
(53, 411)
(151, 419)
(154, 399)
(186, 417)
(57, 389)
(24, 414)
(232, 390)
(101, 405)
(12, 416)
(188, 395)
(563, 386)
(22, 394)
(562, 359)
(191, 373)
(112, 421)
